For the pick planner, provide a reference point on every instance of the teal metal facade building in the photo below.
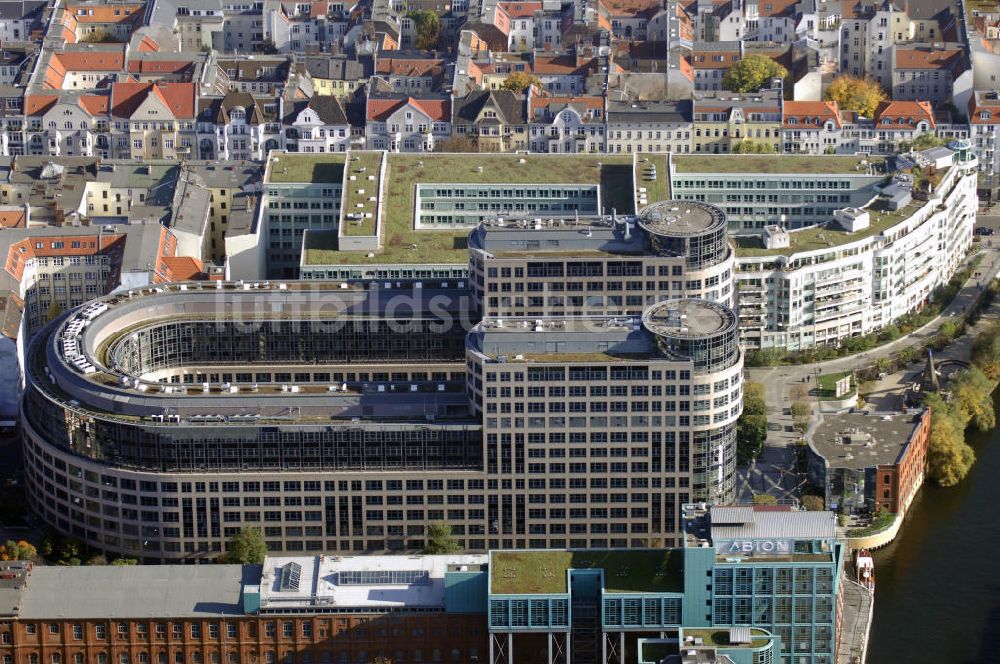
(759, 585)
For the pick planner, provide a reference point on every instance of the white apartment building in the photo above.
(806, 294)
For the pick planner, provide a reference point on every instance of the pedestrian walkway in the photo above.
(859, 606)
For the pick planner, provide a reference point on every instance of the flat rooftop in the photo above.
(381, 582)
(297, 167)
(828, 236)
(401, 243)
(753, 164)
(681, 218)
(544, 572)
(134, 591)
(862, 440)
(751, 522)
(688, 318)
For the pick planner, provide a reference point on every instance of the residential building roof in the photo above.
(984, 107)
(327, 107)
(951, 59)
(510, 106)
(546, 108)
(179, 98)
(903, 114)
(521, 10)
(438, 110)
(116, 12)
(797, 114)
(411, 67)
(653, 112)
(183, 268)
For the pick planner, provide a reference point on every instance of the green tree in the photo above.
(69, 549)
(851, 93)
(949, 457)
(926, 141)
(439, 539)
(751, 428)
(519, 81)
(986, 352)
(801, 414)
(752, 73)
(428, 28)
(124, 562)
(764, 499)
(813, 503)
(246, 547)
(972, 398)
(749, 146)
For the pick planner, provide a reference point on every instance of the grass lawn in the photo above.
(401, 243)
(828, 382)
(758, 163)
(299, 167)
(544, 572)
(370, 162)
(827, 237)
(658, 189)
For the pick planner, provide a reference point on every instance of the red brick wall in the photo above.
(319, 639)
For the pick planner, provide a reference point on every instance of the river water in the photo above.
(937, 597)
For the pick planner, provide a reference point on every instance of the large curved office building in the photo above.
(343, 418)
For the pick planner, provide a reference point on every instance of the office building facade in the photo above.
(160, 422)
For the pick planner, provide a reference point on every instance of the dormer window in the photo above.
(238, 114)
(985, 115)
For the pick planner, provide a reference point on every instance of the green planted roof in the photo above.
(544, 572)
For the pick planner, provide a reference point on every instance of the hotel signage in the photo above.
(751, 547)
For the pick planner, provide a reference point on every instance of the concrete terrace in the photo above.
(544, 572)
(756, 163)
(402, 243)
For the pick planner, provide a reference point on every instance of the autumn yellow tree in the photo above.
(851, 93)
(752, 73)
(519, 81)
(972, 398)
(949, 457)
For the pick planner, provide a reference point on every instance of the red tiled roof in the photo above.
(98, 60)
(987, 105)
(158, 66)
(148, 45)
(436, 109)
(808, 113)
(179, 98)
(928, 58)
(408, 67)
(183, 268)
(521, 9)
(95, 104)
(39, 104)
(903, 114)
(113, 13)
(13, 218)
